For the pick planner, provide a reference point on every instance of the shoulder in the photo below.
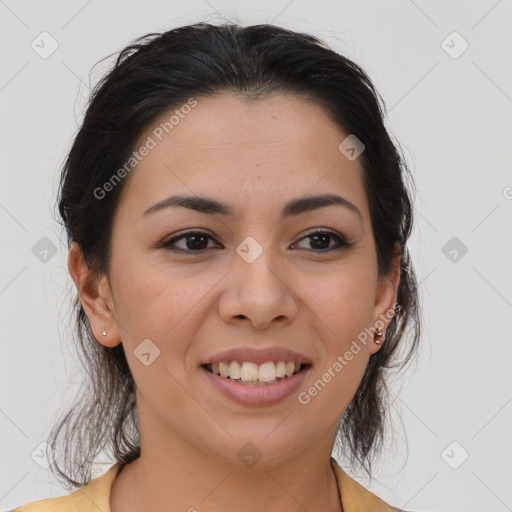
(355, 497)
(90, 498)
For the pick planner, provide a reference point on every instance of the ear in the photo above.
(386, 297)
(95, 296)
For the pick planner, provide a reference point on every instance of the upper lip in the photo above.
(257, 355)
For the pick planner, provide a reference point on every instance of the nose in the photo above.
(258, 293)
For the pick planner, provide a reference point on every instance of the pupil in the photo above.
(195, 245)
(325, 237)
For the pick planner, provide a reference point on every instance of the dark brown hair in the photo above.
(159, 72)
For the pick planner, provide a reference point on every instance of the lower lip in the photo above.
(256, 395)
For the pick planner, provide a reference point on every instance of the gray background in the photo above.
(452, 116)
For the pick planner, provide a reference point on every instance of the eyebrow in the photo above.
(291, 208)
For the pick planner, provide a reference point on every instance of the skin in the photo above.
(255, 156)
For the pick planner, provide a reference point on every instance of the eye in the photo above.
(320, 239)
(197, 241)
(194, 241)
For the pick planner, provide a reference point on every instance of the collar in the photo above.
(354, 497)
(96, 496)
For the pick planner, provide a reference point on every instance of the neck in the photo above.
(179, 473)
(191, 481)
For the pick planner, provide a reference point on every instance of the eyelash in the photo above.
(341, 240)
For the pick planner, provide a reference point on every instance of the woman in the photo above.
(237, 218)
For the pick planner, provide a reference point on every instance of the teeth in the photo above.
(234, 370)
(253, 374)
(267, 372)
(224, 369)
(281, 369)
(249, 372)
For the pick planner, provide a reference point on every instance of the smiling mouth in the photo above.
(266, 374)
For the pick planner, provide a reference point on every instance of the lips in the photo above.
(280, 372)
(257, 355)
(256, 395)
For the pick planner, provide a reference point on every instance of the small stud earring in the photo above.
(379, 333)
(104, 333)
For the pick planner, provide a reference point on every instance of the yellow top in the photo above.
(95, 496)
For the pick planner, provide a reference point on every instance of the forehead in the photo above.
(271, 148)
(234, 120)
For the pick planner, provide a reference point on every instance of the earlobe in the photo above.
(94, 292)
(387, 292)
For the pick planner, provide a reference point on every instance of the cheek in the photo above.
(334, 385)
(161, 305)
(344, 303)
(345, 312)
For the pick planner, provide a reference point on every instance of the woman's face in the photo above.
(251, 278)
